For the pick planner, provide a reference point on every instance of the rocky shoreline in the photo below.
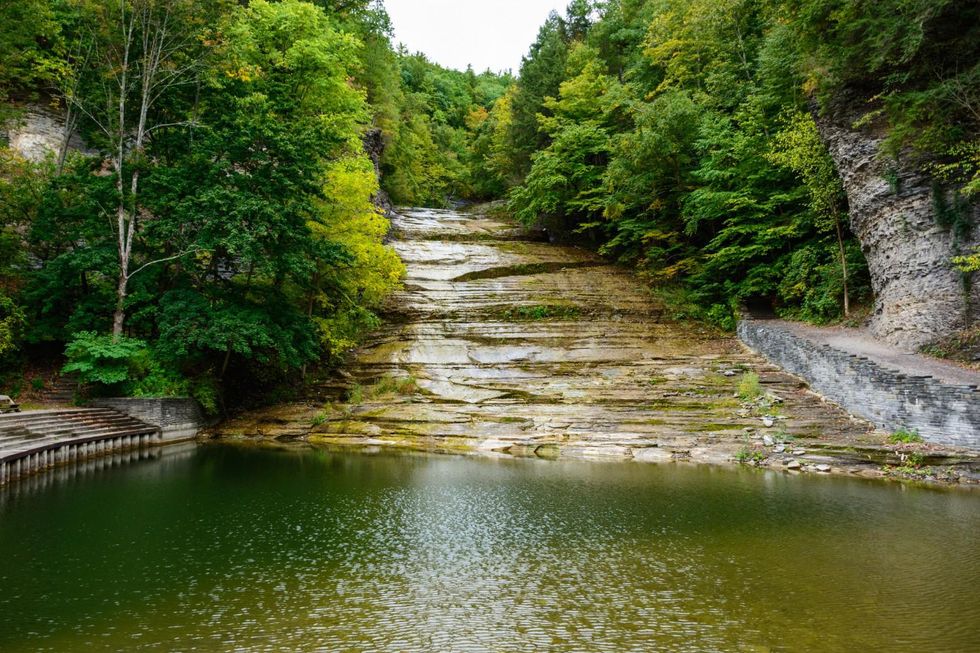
(920, 464)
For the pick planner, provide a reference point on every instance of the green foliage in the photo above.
(916, 61)
(12, 321)
(677, 135)
(386, 387)
(25, 64)
(433, 120)
(341, 332)
(915, 459)
(260, 251)
(749, 388)
(747, 455)
(905, 436)
(128, 366)
(105, 361)
(970, 263)
(319, 419)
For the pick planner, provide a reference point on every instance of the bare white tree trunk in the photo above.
(144, 66)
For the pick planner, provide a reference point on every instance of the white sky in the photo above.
(492, 34)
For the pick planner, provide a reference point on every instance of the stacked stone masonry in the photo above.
(941, 413)
(177, 418)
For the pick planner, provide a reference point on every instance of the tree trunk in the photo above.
(224, 363)
(843, 263)
(119, 317)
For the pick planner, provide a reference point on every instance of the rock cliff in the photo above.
(374, 146)
(909, 244)
(38, 132)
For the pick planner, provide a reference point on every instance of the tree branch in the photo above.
(163, 260)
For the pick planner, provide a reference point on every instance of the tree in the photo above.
(145, 50)
(799, 148)
(542, 72)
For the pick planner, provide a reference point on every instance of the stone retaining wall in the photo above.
(941, 413)
(178, 418)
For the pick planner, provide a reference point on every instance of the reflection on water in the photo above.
(231, 549)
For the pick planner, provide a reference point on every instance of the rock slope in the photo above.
(505, 345)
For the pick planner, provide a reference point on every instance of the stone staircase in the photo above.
(33, 441)
(61, 391)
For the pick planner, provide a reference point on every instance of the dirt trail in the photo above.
(503, 345)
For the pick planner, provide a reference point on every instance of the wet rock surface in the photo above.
(500, 344)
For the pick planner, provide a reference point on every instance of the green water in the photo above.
(223, 549)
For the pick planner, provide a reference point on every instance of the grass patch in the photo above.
(750, 387)
(319, 419)
(386, 386)
(746, 456)
(541, 312)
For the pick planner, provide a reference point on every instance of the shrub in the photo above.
(905, 436)
(12, 322)
(127, 366)
(109, 363)
(319, 419)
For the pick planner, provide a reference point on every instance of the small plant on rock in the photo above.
(319, 419)
(749, 388)
(747, 455)
(905, 436)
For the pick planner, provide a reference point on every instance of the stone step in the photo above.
(55, 424)
(55, 419)
(12, 452)
(54, 412)
(69, 431)
(43, 437)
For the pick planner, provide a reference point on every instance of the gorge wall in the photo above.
(919, 294)
(38, 132)
(374, 147)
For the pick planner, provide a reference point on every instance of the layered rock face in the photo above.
(502, 343)
(374, 147)
(920, 296)
(38, 133)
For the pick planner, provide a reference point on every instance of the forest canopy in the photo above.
(221, 225)
(679, 136)
(212, 219)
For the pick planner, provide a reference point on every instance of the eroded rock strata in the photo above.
(909, 231)
(506, 346)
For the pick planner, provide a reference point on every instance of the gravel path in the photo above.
(861, 343)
